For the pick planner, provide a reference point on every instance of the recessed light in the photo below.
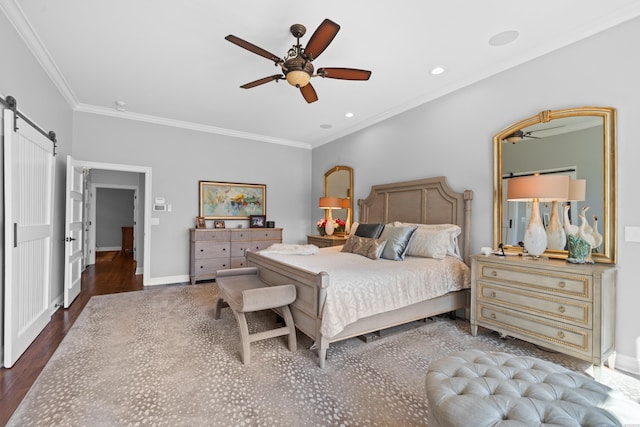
(326, 126)
(504, 38)
(349, 115)
(437, 70)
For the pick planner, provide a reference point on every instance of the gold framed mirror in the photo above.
(579, 142)
(338, 182)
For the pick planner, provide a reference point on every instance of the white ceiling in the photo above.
(169, 62)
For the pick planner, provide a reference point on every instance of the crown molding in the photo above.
(92, 109)
(24, 28)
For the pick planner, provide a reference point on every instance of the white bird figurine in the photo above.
(587, 237)
(597, 237)
(587, 227)
(569, 229)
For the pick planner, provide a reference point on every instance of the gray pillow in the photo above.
(372, 231)
(397, 241)
(371, 248)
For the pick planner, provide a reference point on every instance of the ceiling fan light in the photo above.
(298, 78)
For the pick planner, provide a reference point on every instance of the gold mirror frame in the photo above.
(343, 190)
(609, 226)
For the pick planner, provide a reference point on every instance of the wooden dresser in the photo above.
(219, 249)
(564, 307)
(326, 241)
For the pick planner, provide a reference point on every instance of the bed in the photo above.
(425, 201)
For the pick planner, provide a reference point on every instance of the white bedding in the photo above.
(360, 287)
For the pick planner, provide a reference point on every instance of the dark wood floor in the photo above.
(113, 272)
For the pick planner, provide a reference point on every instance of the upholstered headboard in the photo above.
(423, 201)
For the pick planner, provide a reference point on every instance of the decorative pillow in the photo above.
(371, 248)
(433, 240)
(398, 239)
(371, 231)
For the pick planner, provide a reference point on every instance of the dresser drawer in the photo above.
(238, 262)
(209, 235)
(258, 245)
(210, 249)
(238, 248)
(577, 286)
(209, 266)
(548, 306)
(267, 234)
(518, 324)
(243, 235)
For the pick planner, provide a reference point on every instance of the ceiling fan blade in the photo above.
(321, 38)
(253, 48)
(344, 73)
(262, 81)
(309, 93)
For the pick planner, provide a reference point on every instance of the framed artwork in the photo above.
(227, 200)
(257, 221)
(218, 224)
(200, 222)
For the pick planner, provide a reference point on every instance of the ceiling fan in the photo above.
(519, 135)
(297, 67)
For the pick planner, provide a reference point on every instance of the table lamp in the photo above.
(535, 189)
(330, 203)
(346, 204)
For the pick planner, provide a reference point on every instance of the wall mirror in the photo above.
(338, 182)
(579, 142)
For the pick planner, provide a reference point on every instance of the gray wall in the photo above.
(114, 210)
(452, 136)
(180, 158)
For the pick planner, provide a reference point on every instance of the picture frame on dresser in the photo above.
(257, 221)
(200, 222)
(218, 224)
(229, 200)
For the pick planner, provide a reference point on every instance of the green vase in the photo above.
(579, 250)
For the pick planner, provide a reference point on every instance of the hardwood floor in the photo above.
(113, 272)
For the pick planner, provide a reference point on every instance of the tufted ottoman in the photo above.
(476, 388)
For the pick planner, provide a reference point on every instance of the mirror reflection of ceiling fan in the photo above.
(519, 135)
(297, 67)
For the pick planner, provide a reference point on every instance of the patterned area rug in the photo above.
(158, 357)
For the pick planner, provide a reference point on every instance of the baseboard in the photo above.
(628, 364)
(108, 248)
(168, 280)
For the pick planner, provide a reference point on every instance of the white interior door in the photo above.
(73, 232)
(29, 181)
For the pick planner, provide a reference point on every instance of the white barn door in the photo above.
(73, 232)
(29, 180)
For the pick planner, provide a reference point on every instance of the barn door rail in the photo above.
(11, 103)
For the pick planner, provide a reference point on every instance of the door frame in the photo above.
(146, 240)
(93, 214)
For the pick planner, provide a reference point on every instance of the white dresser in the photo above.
(219, 249)
(564, 307)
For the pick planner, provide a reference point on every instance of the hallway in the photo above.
(113, 272)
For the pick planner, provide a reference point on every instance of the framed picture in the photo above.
(200, 222)
(257, 221)
(218, 224)
(226, 200)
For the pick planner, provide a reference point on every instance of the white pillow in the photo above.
(433, 240)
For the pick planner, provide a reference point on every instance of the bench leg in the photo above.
(245, 349)
(288, 320)
(219, 304)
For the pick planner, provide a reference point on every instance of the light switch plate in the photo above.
(155, 221)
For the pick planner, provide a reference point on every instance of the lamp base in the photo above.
(535, 237)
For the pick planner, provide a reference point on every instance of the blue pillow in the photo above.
(397, 241)
(371, 231)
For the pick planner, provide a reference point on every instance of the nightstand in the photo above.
(326, 241)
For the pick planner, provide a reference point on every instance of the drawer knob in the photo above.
(493, 294)
(561, 335)
(224, 249)
(562, 284)
(201, 250)
(561, 309)
(493, 315)
(494, 273)
(202, 266)
(224, 265)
